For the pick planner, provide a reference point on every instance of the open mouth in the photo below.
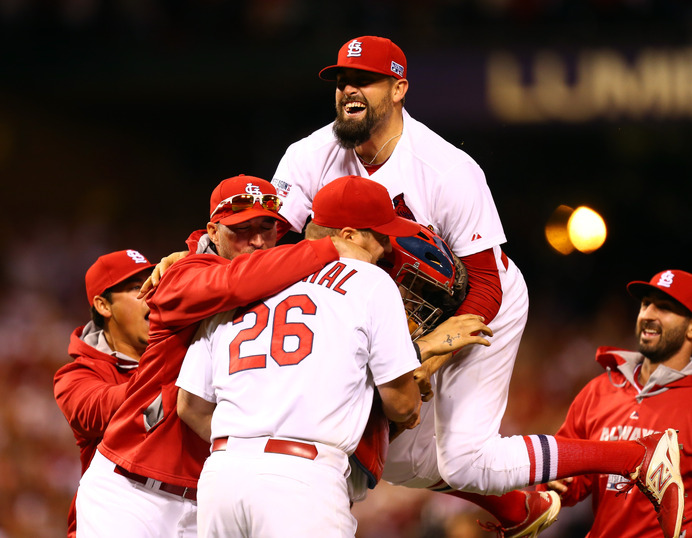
(354, 107)
(650, 331)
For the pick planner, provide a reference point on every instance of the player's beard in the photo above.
(351, 133)
(669, 342)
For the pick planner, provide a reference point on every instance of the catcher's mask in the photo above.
(428, 275)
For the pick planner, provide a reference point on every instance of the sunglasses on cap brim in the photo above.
(241, 202)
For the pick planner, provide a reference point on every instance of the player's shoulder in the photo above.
(433, 149)
(97, 366)
(320, 140)
(602, 388)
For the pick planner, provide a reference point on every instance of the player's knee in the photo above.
(457, 473)
(469, 473)
(474, 481)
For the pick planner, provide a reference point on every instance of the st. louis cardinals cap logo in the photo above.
(137, 257)
(666, 279)
(253, 189)
(354, 49)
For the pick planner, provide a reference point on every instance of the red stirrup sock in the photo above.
(559, 457)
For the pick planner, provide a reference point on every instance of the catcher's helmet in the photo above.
(431, 278)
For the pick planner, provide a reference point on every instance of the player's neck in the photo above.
(121, 345)
(381, 144)
(676, 362)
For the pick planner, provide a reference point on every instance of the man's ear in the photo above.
(213, 232)
(102, 306)
(399, 90)
(347, 233)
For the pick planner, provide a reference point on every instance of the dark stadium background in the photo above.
(118, 118)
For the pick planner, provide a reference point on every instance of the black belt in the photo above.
(277, 446)
(180, 491)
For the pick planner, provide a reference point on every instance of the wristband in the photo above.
(415, 346)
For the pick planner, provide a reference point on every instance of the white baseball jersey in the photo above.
(441, 184)
(303, 364)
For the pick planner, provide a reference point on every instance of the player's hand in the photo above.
(454, 334)
(438, 346)
(560, 486)
(158, 271)
(349, 249)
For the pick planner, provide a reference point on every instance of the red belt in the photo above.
(180, 491)
(277, 446)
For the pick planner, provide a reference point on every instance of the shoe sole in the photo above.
(670, 447)
(546, 520)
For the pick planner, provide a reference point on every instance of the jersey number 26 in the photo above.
(280, 330)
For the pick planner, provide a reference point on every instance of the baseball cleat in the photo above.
(542, 507)
(658, 477)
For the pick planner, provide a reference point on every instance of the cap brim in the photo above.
(136, 272)
(129, 275)
(249, 214)
(329, 73)
(638, 289)
(399, 227)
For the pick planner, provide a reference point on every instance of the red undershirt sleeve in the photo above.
(484, 292)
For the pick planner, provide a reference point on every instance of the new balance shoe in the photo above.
(542, 510)
(658, 477)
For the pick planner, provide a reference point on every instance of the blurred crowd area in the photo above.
(43, 300)
(175, 22)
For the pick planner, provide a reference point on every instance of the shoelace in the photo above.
(493, 527)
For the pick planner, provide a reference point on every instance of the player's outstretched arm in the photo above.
(438, 346)
(346, 249)
(196, 412)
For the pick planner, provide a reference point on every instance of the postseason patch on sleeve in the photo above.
(282, 188)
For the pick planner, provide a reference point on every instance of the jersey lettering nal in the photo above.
(282, 332)
(329, 280)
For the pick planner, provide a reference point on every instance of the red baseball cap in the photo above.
(369, 53)
(241, 198)
(677, 284)
(111, 269)
(359, 203)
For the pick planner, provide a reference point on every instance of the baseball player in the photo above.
(143, 478)
(437, 184)
(642, 391)
(284, 387)
(433, 284)
(106, 352)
